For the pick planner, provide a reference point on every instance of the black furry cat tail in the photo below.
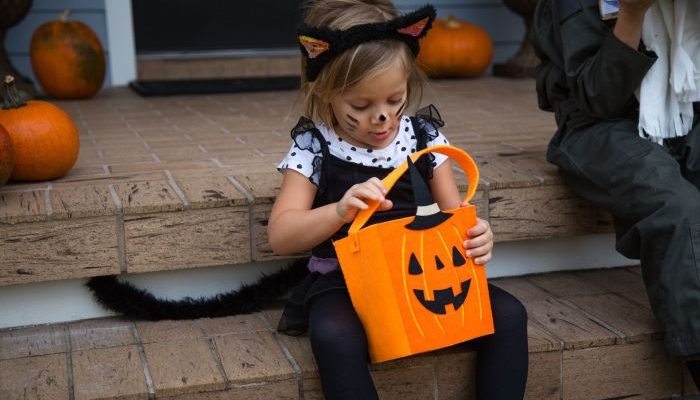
(130, 301)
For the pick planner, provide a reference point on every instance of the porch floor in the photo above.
(188, 181)
(591, 336)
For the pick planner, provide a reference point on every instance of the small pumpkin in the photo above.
(7, 156)
(67, 58)
(44, 138)
(455, 49)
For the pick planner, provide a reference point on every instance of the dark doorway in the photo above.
(186, 26)
(215, 35)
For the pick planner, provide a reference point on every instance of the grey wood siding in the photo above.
(505, 28)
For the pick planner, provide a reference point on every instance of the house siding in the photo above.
(505, 28)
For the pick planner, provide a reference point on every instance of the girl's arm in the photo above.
(295, 227)
(479, 243)
(444, 187)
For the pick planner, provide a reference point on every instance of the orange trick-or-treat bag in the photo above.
(409, 279)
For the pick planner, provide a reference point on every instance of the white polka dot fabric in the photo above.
(389, 157)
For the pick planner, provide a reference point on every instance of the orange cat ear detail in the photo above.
(415, 29)
(314, 47)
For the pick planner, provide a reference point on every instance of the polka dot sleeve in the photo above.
(301, 161)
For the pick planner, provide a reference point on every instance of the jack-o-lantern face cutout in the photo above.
(442, 297)
(437, 274)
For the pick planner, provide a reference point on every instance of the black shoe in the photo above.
(290, 328)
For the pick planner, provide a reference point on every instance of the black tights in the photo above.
(340, 349)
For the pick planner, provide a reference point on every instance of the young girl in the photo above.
(360, 78)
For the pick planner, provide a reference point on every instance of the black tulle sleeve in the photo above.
(427, 123)
(307, 137)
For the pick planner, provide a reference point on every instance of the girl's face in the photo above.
(368, 112)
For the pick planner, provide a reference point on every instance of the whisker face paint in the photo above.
(352, 122)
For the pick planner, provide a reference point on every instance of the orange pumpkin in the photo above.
(7, 156)
(455, 49)
(413, 288)
(45, 140)
(67, 59)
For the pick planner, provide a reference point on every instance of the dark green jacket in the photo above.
(587, 74)
(588, 78)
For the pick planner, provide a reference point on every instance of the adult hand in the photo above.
(630, 17)
(635, 6)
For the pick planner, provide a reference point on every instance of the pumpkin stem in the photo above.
(12, 97)
(451, 22)
(64, 15)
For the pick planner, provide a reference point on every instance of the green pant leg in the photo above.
(691, 161)
(656, 212)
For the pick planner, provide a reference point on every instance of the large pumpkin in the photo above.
(7, 156)
(455, 49)
(67, 59)
(45, 140)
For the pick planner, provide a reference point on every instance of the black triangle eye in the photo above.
(414, 267)
(457, 258)
(439, 263)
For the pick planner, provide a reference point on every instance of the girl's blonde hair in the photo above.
(357, 63)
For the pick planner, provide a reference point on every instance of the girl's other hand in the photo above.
(357, 197)
(479, 242)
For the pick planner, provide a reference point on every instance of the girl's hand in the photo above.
(357, 197)
(479, 242)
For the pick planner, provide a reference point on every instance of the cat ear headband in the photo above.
(320, 45)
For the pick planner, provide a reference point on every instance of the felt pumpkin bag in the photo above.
(409, 279)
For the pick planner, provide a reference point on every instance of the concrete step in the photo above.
(591, 336)
(188, 181)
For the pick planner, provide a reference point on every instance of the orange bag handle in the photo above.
(463, 159)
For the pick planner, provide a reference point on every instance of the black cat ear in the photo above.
(416, 29)
(314, 47)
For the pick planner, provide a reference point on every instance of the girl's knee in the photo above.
(509, 314)
(336, 337)
(325, 332)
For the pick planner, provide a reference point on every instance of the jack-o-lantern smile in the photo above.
(442, 297)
